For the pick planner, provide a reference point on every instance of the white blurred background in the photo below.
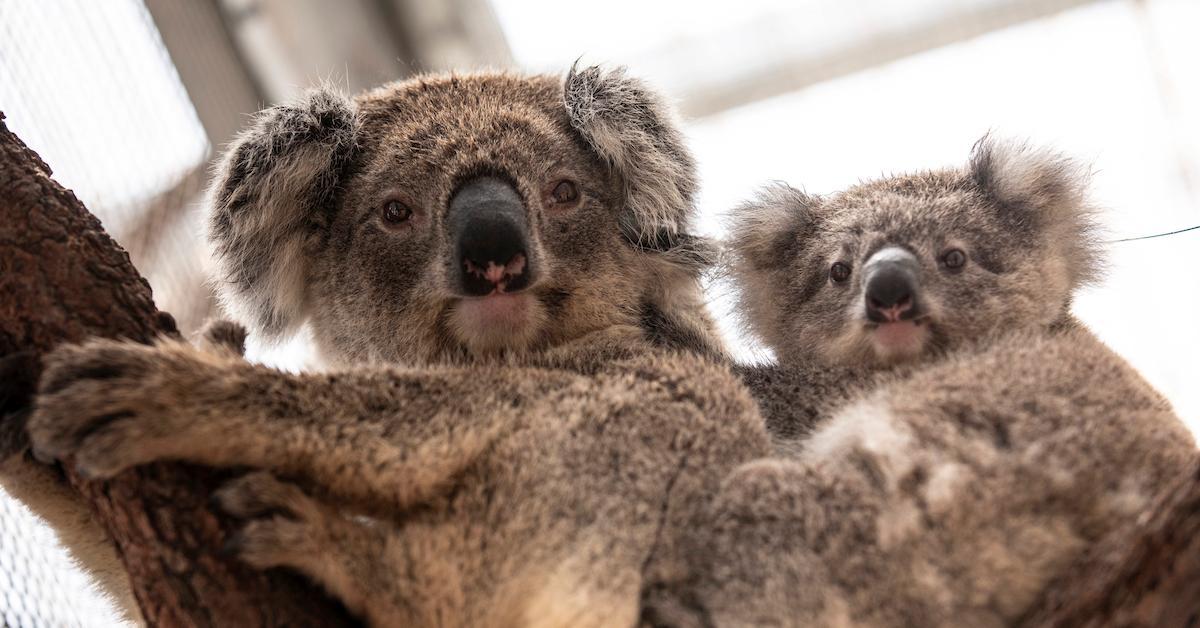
(824, 94)
(129, 101)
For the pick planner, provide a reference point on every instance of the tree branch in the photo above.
(62, 280)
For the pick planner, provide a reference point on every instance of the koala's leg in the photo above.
(382, 437)
(287, 528)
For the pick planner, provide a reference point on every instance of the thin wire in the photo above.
(1157, 235)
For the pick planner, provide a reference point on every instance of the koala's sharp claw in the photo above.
(91, 469)
(260, 494)
(87, 471)
(43, 456)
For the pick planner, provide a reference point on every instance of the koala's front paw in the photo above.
(112, 405)
(286, 527)
(223, 335)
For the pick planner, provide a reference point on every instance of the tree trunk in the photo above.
(62, 279)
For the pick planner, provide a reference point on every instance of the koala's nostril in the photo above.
(494, 272)
(482, 279)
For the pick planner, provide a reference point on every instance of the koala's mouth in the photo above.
(499, 321)
(898, 340)
(498, 312)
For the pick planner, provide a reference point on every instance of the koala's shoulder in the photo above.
(697, 381)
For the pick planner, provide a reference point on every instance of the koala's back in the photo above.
(957, 493)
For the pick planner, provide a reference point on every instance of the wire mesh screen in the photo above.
(91, 88)
(39, 584)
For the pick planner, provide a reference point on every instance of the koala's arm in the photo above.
(45, 492)
(989, 475)
(382, 437)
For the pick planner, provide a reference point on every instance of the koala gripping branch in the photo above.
(63, 279)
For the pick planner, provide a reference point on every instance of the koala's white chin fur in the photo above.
(873, 344)
(900, 340)
(498, 322)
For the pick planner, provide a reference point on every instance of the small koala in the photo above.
(900, 271)
(983, 439)
(526, 411)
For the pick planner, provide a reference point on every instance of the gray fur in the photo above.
(635, 132)
(952, 485)
(535, 475)
(272, 192)
(1047, 188)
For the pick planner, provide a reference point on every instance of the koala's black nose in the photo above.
(891, 286)
(490, 237)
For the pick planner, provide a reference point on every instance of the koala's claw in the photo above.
(223, 335)
(275, 542)
(259, 493)
(284, 523)
(110, 405)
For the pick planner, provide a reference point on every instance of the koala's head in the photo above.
(459, 215)
(907, 266)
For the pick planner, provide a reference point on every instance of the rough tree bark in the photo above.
(63, 279)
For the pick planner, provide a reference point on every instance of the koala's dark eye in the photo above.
(954, 259)
(565, 192)
(395, 212)
(839, 272)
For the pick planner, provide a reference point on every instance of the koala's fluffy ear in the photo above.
(635, 131)
(764, 233)
(1045, 190)
(273, 191)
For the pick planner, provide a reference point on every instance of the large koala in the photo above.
(525, 418)
(981, 438)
